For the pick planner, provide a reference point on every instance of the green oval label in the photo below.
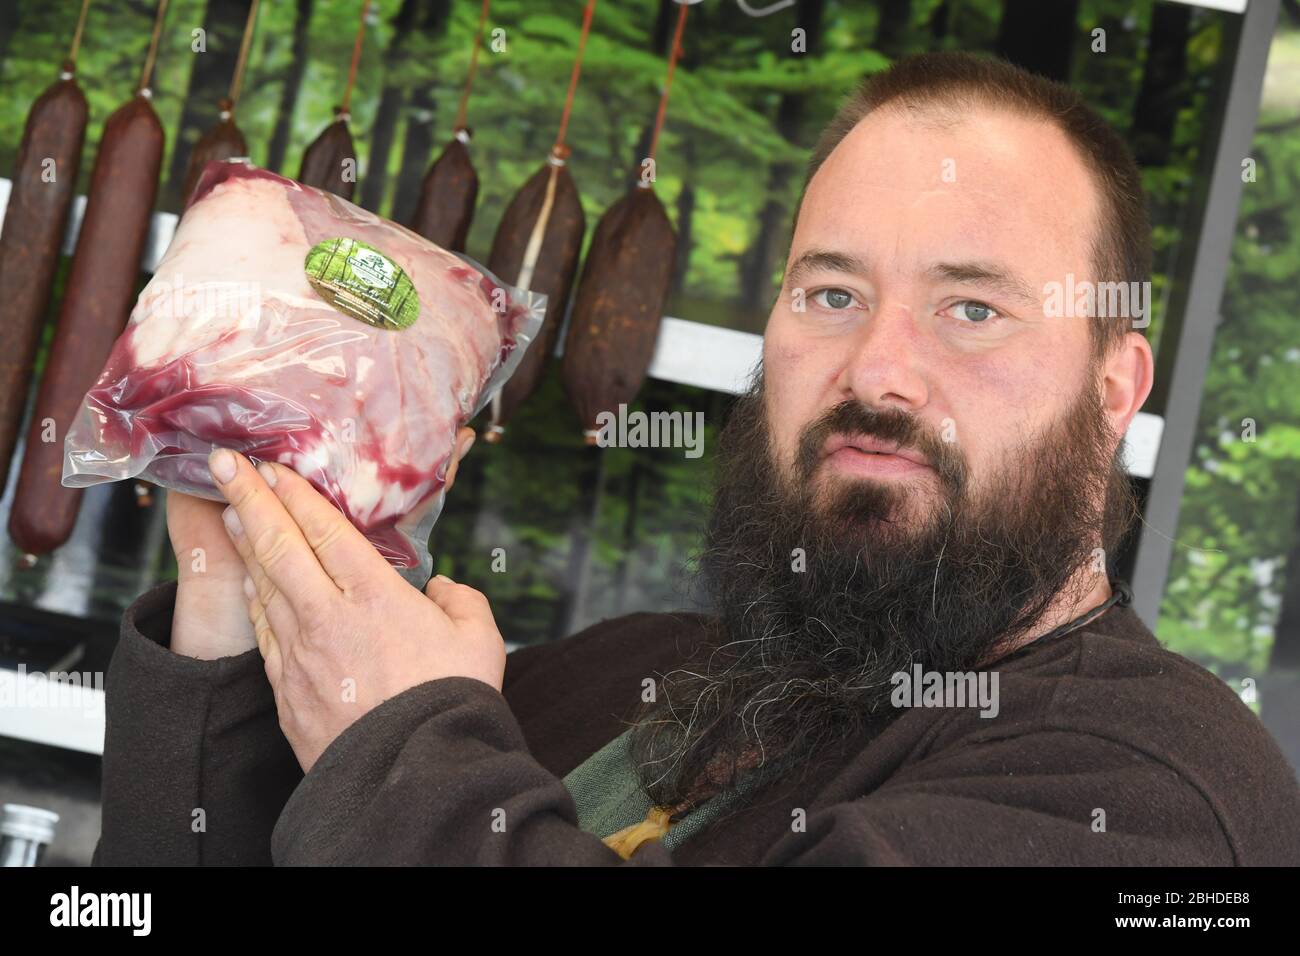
(360, 281)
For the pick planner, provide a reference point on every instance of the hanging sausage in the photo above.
(450, 187)
(625, 284)
(330, 162)
(537, 244)
(224, 140)
(44, 182)
(97, 299)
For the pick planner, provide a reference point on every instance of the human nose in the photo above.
(886, 363)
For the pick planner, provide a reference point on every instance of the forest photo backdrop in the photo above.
(590, 534)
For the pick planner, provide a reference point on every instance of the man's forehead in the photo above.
(990, 186)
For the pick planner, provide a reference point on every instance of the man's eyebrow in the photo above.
(986, 274)
(825, 259)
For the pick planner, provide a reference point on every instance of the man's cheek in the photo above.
(1024, 385)
(990, 453)
(785, 441)
(789, 357)
(786, 417)
(790, 376)
(990, 401)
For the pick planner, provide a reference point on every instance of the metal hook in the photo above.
(781, 5)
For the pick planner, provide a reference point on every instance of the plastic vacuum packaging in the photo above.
(295, 327)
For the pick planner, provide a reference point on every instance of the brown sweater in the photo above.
(196, 770)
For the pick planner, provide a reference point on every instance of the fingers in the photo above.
(266, 642)
(267, 537)
(343, 551)
(464, 441)
(274, 604)
(460, 602)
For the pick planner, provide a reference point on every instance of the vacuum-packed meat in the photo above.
(293, 326)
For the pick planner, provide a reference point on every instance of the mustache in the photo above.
(888, 424)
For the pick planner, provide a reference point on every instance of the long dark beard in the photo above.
(825, 589)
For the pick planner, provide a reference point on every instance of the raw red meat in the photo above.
(230, 344)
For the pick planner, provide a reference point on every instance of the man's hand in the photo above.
(340, 630)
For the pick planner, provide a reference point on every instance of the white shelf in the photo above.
(60, 714)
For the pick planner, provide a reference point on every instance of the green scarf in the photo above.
(609, 798)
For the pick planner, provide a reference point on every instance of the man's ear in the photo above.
(464, 439)
(1127, 376)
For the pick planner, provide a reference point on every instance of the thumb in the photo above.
(460, 602)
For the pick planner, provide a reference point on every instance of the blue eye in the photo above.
(975, 312)
(834, 298)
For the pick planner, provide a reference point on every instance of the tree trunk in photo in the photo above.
(690, 58)
(417, 146)
(1164, 85)
(623, 570)
(10, 16)
(1286, 636)
(891, 29)
(223, 24)
(758, 261)
(660, 39)
(639, 154)
(289, 91)
(1113, 91)
(938, 25)
(685, 219)
(571, 614)
(1279, 688)
(1039, 36)
(390, 107)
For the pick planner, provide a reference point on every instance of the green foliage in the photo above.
(1239, 515)
(594, 534)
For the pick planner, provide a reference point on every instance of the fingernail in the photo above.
(232, 522)
(267, 473)
(443, 577)
(222, 464)
(250, 592)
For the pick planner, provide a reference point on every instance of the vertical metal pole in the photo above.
(1180, 374)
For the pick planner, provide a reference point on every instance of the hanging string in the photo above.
(473, 68)
(356, 58)
(238, 78)
(560, 150)
(673, 55)
(533, 251)
(71, 63)
(147, 73)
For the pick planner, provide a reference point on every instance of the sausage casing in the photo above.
(44, 183)
(553, 275)
(101, 288)
(618, 306)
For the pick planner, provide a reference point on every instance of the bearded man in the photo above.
(916, 651)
